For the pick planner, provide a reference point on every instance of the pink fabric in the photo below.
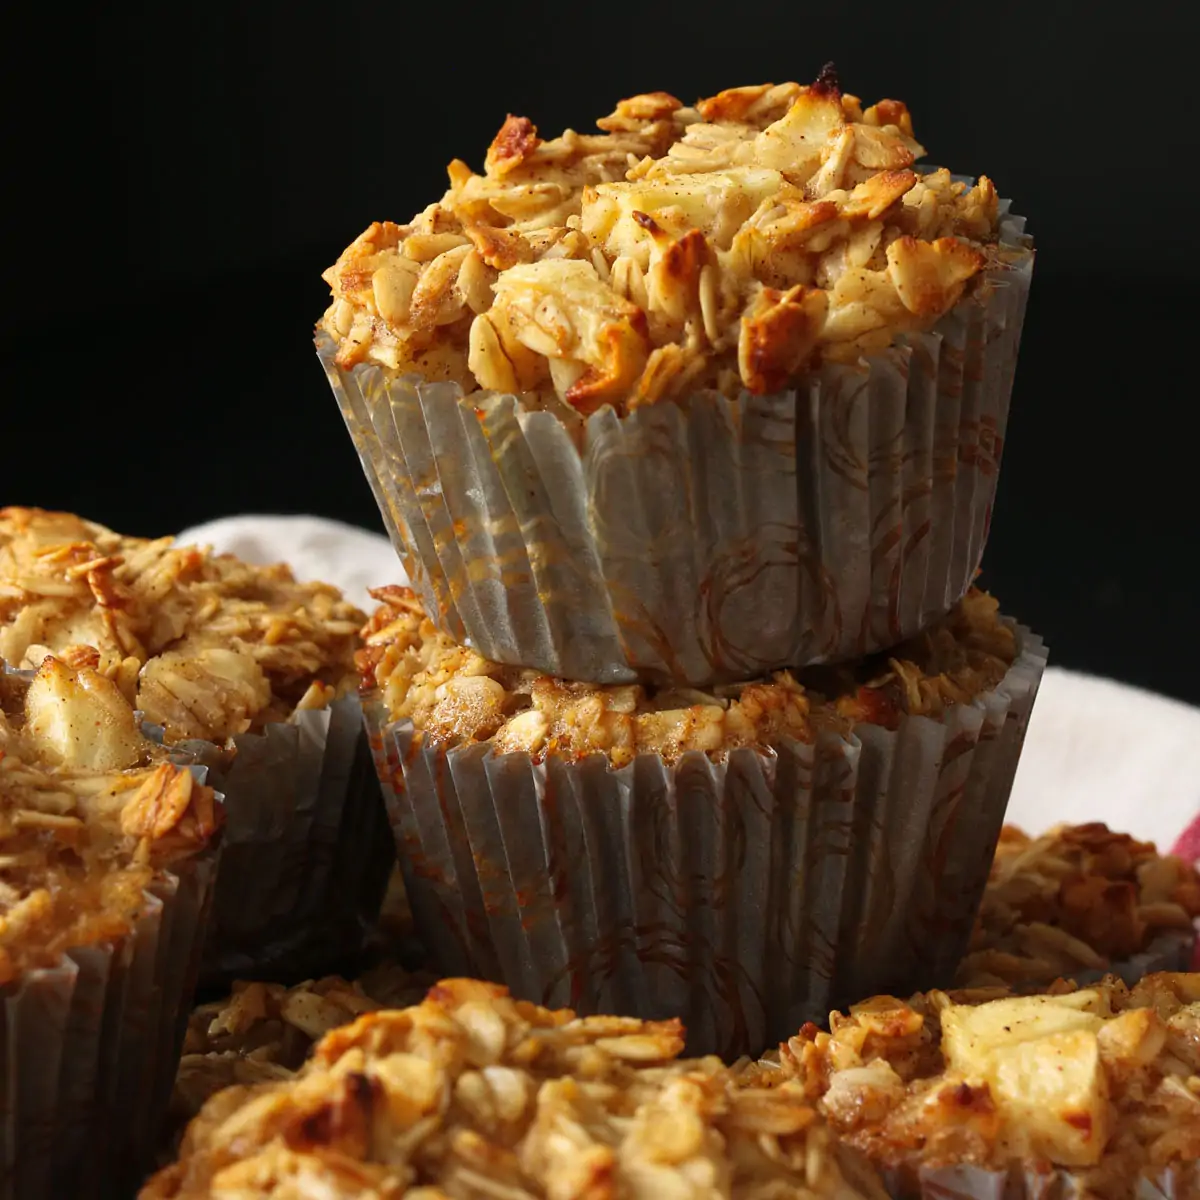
(1188, 847)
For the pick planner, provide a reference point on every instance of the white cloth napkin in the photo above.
(1097, 750)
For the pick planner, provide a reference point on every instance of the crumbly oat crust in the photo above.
(471, 1095)
(1080, 897)
(451, 693)
(1103, 1082)
(264, 1031)
(82, 835)
(206, 645)
(731, 244)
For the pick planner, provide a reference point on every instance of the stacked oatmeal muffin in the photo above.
(687, 434)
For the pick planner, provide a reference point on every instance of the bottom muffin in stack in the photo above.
(744, 859)
(107, 869)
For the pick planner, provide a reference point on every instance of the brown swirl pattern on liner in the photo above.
(578, 560)
(436, 899)
(306, 854)
(428, 867)
(90, 1047)
(812, 871)
(746, 896)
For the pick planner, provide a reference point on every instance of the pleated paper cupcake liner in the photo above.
(1180, 1182)
(709, 540)
(746, 896)
(90, 1047)
(308, 850)
(1171, 950)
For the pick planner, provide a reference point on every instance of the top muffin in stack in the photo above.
(720, 390)
(656, 416)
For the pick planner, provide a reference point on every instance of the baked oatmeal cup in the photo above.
(719, 390)
(740, 858)
(978, 1095)
(473, 1094)
(1081, 902)
(247, 672)
(107, 860)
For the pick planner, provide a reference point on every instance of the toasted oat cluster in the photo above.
(471, 1094)
(264, 1031)
(731, 245)
(81, 840)
(1103, 1082)
(1079, 897)
(206, 645)
(452, 694)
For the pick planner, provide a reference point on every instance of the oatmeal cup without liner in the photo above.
(740, 862)
(805, 467)
(106, 891)
(243, 670)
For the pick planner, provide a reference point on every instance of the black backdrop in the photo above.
(182, 174)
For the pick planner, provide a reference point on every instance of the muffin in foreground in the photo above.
(1031, 934)
(1080, 902)
(473, 1094)
(739, 859)
(1092, 1092)
(105, 885)
(245, 671)
(719, 390)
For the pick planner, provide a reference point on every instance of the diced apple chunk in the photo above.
(81, 719)
(1040, 1057)
(717, 203)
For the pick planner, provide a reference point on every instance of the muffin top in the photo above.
(1104, 1081)
(1078, 898)
(732, 245)
(204, 644)
(453, 695)
(471, 1093)
(83, 832)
